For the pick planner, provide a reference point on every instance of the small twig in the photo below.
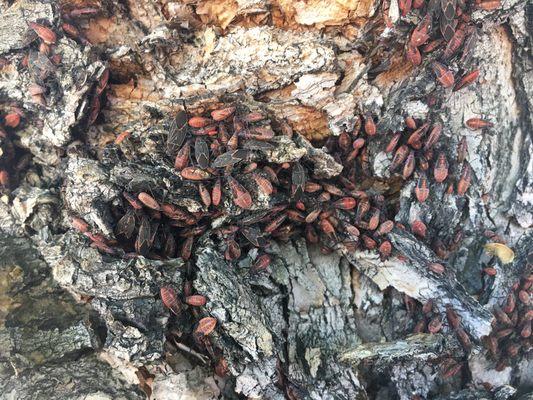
(14, 368)
(187, 349)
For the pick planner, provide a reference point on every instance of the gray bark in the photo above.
(76, 323)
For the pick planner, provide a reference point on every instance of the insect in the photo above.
(362, 208)
(462, 149)
(194, 174)
(416, 136)
(409, 165)
(413, 55)
(298, 180)
(346, 203)
(12, 120)
(126, 224)
(233, 250)
(312, 216)
(435, 325)
(222, 114)
(199, 122)
(241, 197)
(464, 180)
(102, 82)
(444, 75)
(230, 158)
(201, 153)
(94, 110)
(205, 326)
(447, 19)
(122, 137)
(436, 268)
(463, 338)
(148, 201)
(453, 319)
(466, 80)
(433, 137)
(186, 248)
(385, 227)
(420, 34)
(421, 189)
(143, 241)
(327, 227)
(264, 184)
(261, 264)
(432, 46)
(419, 228)
(393, 143)
(440, 172)
(70, 30)
(170, 299)
(83, 12)
(254, 236)
(410, 122)
(216, 192)
(182, 158)
(79, 224)
(370, 126)
(45, 34)
(385, 249)
(478, 123)
(489, 5)
(204, 194)
(196, 300)
(405, 6)
(399, 157)
(176, 134)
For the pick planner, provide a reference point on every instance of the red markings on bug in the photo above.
(45, 34)
(206, 326)
(170, 299)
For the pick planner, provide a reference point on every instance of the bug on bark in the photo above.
(170, 299)
(413, 55)
(464, 180)
(261, 264)
(444, 75)
(478, 123)
(206, 326)
(148, 201)
(194, 174)
(182, 158)
(440, 172)
(466, 80)
(45, 34)
(409, 165)
(420, 34)
(196, 300)
(370, 126)
(399, 157)
(419, 228)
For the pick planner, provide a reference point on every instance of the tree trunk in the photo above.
(94, 103)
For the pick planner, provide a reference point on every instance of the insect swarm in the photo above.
(220, 161)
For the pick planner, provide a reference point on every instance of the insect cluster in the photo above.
(223, 160)
(221, 157)
(42, 61)
(511, 334)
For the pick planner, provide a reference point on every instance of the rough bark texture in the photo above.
(78, 323)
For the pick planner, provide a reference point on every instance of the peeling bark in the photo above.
(318, 326)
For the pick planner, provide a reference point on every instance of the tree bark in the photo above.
(317, 326)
